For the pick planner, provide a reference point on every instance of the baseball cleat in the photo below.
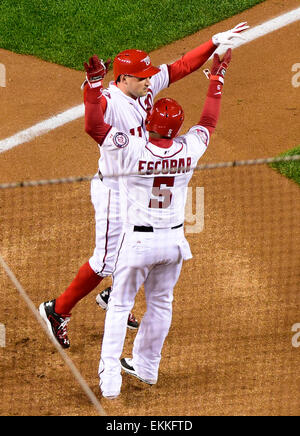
(57, 324)
(126, 365)
(110, 396)
(102, 301)
(132, 322)
(103, 297)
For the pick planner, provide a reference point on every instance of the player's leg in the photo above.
(108, 230)
(156, 322)
(129, 275)
(108, 227)
(56, 313)
(102, 301)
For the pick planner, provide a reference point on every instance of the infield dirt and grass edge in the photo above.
(290, 169)
(67, 32)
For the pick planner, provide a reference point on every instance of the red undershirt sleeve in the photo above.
(212, 106)
(191, 61)
(94, 121)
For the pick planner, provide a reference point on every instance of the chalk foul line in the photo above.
(89, 393)
(42, 127)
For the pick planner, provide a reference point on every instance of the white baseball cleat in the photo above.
(108, 390)
(110, 395)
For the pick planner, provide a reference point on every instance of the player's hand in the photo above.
(226, 38)
(96, 70)
(219, 67)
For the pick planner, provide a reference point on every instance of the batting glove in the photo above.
(219, 67)
(225, 38)
(96, 70)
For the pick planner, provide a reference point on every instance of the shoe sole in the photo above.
(101, 303)
(110, 397)
(103, 306)
(136, 376)
(45, 318)
(131, 327)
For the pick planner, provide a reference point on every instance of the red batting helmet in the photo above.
(165, 118)
(134, 63)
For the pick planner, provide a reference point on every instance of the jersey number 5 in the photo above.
(164, 195)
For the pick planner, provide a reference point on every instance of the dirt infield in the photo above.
(229, 349)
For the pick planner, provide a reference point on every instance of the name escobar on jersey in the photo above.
(165, 166)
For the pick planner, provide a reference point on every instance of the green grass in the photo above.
(289, 169)
(67, 32)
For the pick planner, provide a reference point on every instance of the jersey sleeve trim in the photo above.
(104, 137)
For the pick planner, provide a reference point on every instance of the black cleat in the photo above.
(132, 322)
(126, 365)
(57, 324)
(103, 297)
(102, 301)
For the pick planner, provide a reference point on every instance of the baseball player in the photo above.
(125, 104)
(152, 245)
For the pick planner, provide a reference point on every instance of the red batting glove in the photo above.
(96, 70)
(219, 67)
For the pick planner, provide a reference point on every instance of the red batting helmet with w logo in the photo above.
(135, 63)
(165, 118)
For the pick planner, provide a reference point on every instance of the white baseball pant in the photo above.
(108, 222)
(155, 260)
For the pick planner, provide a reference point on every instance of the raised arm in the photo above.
(195, 58)
(212, 105)
(94, 121)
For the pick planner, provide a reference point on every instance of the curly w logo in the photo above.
(2, 76)
(146, 60)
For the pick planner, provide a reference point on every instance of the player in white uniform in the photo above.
(125, 104)
(152, 245)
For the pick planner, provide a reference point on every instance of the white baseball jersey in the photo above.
(151, 259)
(156, 197)
(128, 115)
